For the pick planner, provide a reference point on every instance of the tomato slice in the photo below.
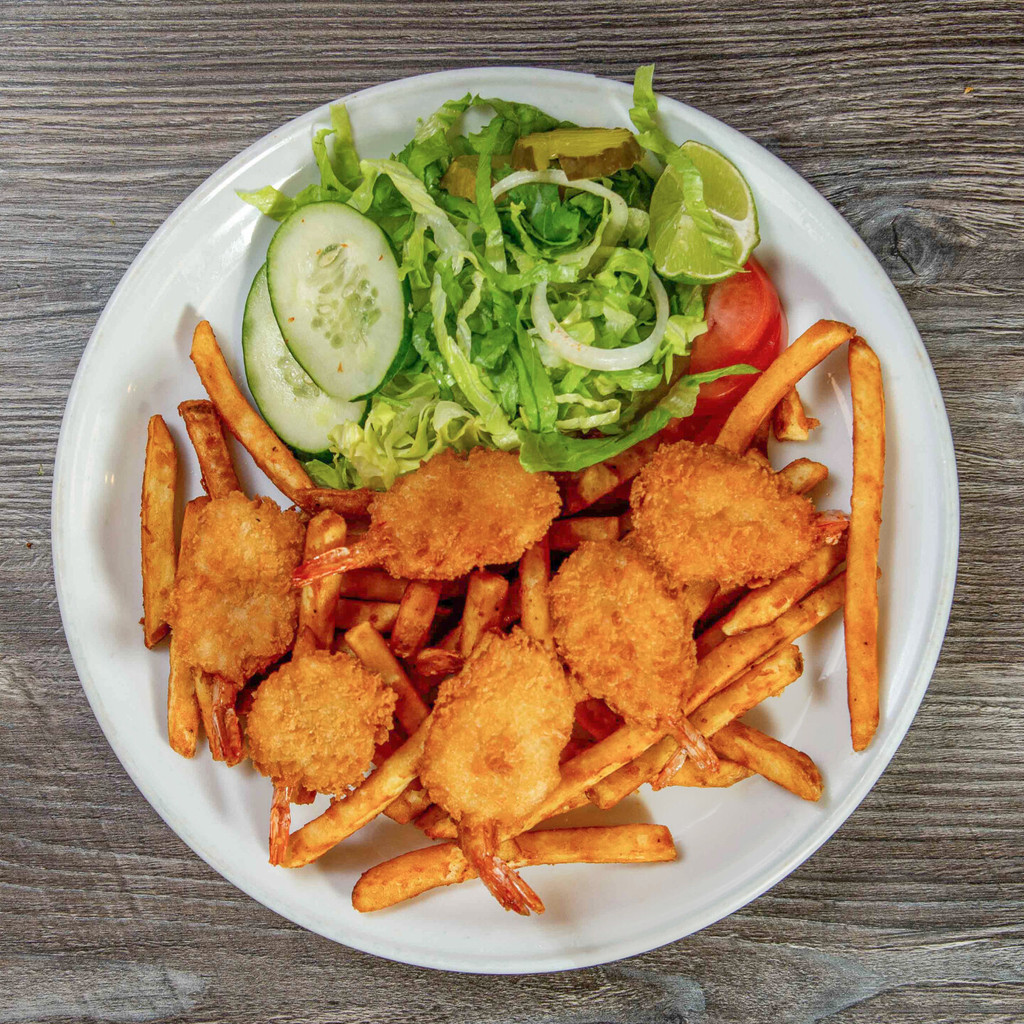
(746, 324)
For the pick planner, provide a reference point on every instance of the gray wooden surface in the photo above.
(909, 118)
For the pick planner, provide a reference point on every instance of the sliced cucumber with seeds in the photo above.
(338, 297)
(299, 412)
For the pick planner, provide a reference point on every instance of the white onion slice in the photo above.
(619, 207)
(572, 351)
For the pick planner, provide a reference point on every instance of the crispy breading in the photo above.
(705, 514)
(316, 721)
(457, 513)
(623, 632)
(497, 731)
(234, 609)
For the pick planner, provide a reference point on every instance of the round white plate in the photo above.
(733, 844)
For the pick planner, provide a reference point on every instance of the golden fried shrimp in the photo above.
(233, 610)
(628, 639)
(452, 515)
(314, 726)
(705, 514)
(492, 752)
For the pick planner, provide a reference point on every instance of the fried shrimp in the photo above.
(628, 639)
(705, 514)
(313, 727)
(233, 609)
(452, 515)
(491, 755)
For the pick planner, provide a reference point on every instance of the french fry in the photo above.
(318, 603)
(728, 774)
(485, 602)
(766, 679)
(346, 816)
(344, 503)
(372, 650)
(435, 662)
(766, 604)
(182, 706)
(803, 475)
(207, 436)
(736, 653)
(203, 685)
(418, 871)
(789, 420)
(269, 452)
(534, 577)
(513, 610)
(409, 805)
(770, 758)
(415, 617)
(861, 610)
(379, 614)
(758, 446)
(569, 534)
(159, 552)
(792, 364)
(372, 585)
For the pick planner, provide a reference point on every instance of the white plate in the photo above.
(733, 844)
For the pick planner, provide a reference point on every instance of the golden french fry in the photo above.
(373, 651)
(861, 611)
(803, 355)
(569, 534)
(318, 603)
(434, 662)
(182, 706)
(766, 604)
(379, 614)
(344, 503)
(534, 577)
(776, 761)
(415, 617)
(766, 679)
(159, 552)
(418, 871)
(207, 436)
(412, 803)
(736, 653)
(372, 585)
(803, 475)
(269, 452)
(485, 602)
(789, 420)
(758, 447)
(728, 774)
(348, 815)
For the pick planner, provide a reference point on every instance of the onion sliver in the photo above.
(619, 208)
(572, 351)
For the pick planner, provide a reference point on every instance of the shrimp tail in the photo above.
(280, 822)
(227, 727)
(480, 845)
(691, 744)
(831, 526)
(342, 559)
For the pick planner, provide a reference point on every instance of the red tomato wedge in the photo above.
(746, 324)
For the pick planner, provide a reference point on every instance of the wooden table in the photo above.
(909, 117)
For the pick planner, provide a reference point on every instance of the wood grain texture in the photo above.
(914, 910)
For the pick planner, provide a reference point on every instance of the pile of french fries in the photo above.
(414, 633)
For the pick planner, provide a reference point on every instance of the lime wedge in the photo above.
(680, 248)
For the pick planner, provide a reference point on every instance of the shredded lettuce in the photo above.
(476, 370)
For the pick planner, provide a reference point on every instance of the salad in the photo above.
(534, 286)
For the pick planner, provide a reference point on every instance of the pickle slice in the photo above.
(580, 152)
(460, 178)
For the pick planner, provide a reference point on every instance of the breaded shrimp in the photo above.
(705, 514)
(233, 610)
(628, 639)
(314, 725)
(452, 515)
(492, 751)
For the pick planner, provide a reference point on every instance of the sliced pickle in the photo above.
(580, 152)
(460, 178)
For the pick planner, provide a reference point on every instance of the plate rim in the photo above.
(900, 721)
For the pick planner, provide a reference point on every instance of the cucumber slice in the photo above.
(296, 409)
(338, 298)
